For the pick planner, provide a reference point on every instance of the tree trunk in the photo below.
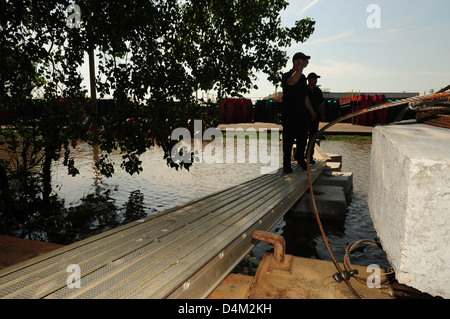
(47, 176)
(5, 191)
(93, 94)
(49, 150)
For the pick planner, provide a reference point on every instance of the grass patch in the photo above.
(349, 138)
(243, 134)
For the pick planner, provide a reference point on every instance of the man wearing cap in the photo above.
(294, 111)
(315, 96)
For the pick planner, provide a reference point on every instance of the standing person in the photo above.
(294, 110)
(315, 96)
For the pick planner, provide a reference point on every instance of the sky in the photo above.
(376, 46)
(391, 46)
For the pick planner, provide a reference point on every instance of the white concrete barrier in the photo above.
(409, 201)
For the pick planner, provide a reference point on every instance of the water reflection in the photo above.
(163, 187)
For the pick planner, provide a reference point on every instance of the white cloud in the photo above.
(322, 40)
(309, 6)
(347, 76)
(334, 37)
(345, 70)
(395, 30)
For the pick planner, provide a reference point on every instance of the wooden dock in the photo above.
(184, 252)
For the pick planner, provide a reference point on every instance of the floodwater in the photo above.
(358, 224)
(165, 187)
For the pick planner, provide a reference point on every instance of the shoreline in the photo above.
(337, 129)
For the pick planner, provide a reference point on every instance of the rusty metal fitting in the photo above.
(344, 275)
(278, 242)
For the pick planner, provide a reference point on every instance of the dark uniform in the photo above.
(294, 119)
(316, 98)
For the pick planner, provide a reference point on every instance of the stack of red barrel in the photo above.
(233, 110)
(362, 102)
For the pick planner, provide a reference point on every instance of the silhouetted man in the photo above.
(294, 116)
(315, 96)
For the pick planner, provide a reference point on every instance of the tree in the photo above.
(157, 53)
(151, 56)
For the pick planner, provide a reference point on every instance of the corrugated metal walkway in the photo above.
(184, 252)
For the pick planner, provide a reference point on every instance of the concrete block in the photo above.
(335, 157)
(333, 166)
(320, 155)
(409, 200)
(330, 201)
(343, 179)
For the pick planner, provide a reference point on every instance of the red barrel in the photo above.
(382, 114)
(362, 104)
(222, 112)
(230, 111)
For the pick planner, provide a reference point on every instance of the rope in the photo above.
(436, 114)
(413, 101)
(349, 250)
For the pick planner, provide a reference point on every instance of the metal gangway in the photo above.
(183, 252)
